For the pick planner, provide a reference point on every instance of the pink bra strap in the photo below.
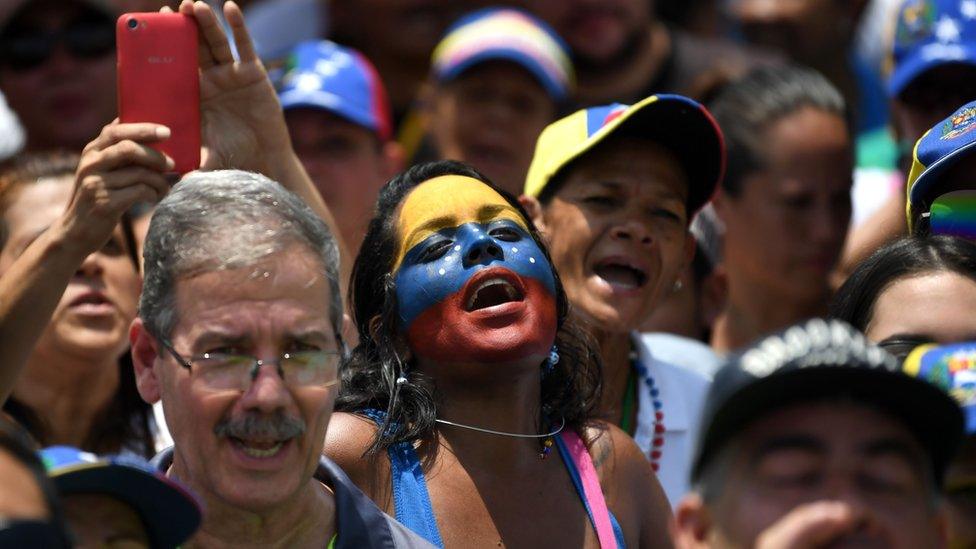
(591, 488)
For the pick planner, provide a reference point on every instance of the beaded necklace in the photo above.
(657, 439)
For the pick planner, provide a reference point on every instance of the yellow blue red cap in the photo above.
(506, 34)
(680, 124)
(940, 148)
(952, 368)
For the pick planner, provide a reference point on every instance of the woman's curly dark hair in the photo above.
(369, 376)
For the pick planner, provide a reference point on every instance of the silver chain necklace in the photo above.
(503, 433)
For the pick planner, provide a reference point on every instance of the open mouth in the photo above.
(492, 292)
(259, 448)
(621, 273)
(90, 298)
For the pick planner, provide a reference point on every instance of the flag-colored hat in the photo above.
(324, 75)
(952, 368)
(677, 123)
(170, 513)
(930, 33)
(505, 34)
(937, 150)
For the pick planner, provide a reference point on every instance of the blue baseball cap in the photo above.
(951, 368)
(505, 34)
(320, 74)
(169, 511)
(941, 147)
(930, 33)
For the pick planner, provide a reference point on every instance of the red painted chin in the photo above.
(447, 332)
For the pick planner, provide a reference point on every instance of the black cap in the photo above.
(820, 359)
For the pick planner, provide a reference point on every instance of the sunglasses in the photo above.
(953, 214)
(23, 49)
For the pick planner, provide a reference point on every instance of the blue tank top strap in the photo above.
(578, 484)
(410, 498)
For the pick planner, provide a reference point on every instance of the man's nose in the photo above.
(267, 392)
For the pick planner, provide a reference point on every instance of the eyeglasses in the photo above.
(236, 372)
(24, 49)
(953, 214)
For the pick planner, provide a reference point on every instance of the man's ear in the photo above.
(692, 523)
(145, 351)
(534, 209)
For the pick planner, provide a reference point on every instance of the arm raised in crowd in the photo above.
(116, 170)
(243, 126)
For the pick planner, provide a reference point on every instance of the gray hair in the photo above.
(223, 220)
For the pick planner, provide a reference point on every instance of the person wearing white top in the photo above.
(682, 397)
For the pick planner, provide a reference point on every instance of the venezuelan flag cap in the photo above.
(505, 34)
(937, 150)
(679, 124)
(170, 513)
(320, 74)
(929, 34)
(951, 368)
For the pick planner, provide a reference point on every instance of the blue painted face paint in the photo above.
(442, 264)
(471, 283)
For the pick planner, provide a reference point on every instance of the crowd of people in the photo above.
(570, 273)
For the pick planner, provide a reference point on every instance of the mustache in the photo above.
(260, 427)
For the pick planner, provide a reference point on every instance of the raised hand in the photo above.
(242, 123)
(117, 170)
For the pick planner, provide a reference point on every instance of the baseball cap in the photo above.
(169, 511)
(820, 359)
(938, 149)
(505, 34)
(951, 368)
(674, 121)
(929, 33)
(321, 74)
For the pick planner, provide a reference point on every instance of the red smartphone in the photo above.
(159, 81)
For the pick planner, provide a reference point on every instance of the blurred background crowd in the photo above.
(821, 152)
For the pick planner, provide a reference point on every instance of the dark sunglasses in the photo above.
(23, 49)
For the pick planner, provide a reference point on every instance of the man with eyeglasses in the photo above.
(57, 69)
(239, 335)
(941, 184)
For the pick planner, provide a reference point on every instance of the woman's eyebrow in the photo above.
(490, 211)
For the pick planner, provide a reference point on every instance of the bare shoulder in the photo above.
(347, 442)
(631, 488)
(614, 452)
(347, 439)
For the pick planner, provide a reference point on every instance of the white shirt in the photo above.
(682, 395)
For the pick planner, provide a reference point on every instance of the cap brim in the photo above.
(683, 127)
(929, 413)
(927, 58)
(294, 99)
(926, 187)
(170, 513)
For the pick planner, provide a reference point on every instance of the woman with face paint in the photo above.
(469, 403)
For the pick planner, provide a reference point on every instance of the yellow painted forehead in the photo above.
(445, 202)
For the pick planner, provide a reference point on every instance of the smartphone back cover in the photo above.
(159, 81)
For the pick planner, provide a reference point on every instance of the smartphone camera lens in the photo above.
(133, 24)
